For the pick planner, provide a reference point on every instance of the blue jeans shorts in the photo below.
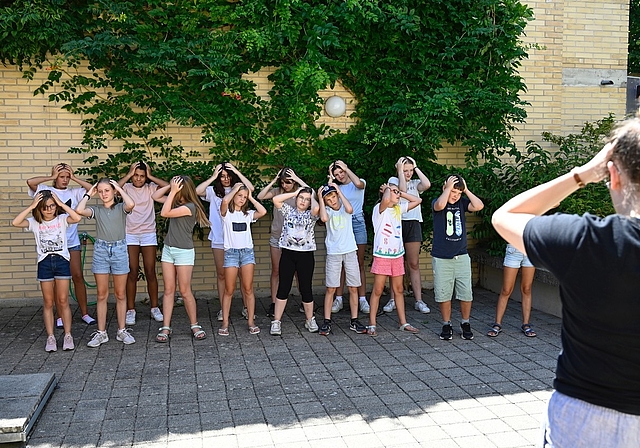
(359, 228)
(513, 258)
(110, 257)
(54, 267)
(236, 258)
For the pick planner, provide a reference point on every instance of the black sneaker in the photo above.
(447, 332)
(325, 329)
(357, 327)
(466, 331)
(272, 310)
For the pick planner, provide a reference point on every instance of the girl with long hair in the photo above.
(224, 176)
(239, 257)
(285, 182)
(49, 222)
(62, 175)
(183, 209)
(110, 256)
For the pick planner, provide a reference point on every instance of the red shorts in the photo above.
(392, 267)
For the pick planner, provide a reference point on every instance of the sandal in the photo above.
(371, 331)
(409, 328)
(254, 330)
(496, 329)
(200, 334)
(528, 331)
(163, 337)
(221, 332)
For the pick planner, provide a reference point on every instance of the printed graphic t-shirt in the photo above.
(387, 228)
(50, 236)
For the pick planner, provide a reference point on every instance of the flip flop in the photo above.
(409, 328)
(254, 330)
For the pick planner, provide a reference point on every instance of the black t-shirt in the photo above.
(450, 229)
(597, 263)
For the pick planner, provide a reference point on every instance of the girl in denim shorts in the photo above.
(110, 255)
(49, 223)
(238, 251)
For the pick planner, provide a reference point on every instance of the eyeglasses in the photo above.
(304, 199)
(50, 207)
(395, 191)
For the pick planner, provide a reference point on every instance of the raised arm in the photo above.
(128, 202)
(442, 200)
(476, 203)
(160, 194)
(129, 175)
(37, 180)
(355, 179)
(21, 219)
(177, 212)
(201, 190)
(322, 210)
(267, 192)
(315, 208)
(226, 200)
(243, 179)
(73, 216)
(511, 219)
(425, 183)
(345, 202)
(159, 182)
(83, 183)
(260, 210)
(279, 199)
(402, 182)
(414, 201)
(82, 209)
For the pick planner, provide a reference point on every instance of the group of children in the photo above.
(127, 228)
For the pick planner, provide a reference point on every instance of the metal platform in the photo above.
(22, 398)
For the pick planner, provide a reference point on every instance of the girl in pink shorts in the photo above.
(388, 251)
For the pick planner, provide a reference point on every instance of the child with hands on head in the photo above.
(285, 182)
(388, 251)
(238, 251)
(183, 209)
(451, 262)
(224, 176)
(61, 176)
(110, 256)
(49, 222)
(141, 236)
(335, 210)
(298, 244)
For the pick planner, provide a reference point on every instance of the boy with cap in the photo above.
(335, 211)
(451, 262)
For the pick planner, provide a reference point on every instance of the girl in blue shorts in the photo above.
(49, 223)
(238, 251)
(110, 256)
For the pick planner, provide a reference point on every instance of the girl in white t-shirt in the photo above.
(238, 251)
(51, 218)
(141, 236)
(225, 175)
(388, 251)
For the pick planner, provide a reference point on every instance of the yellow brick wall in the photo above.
(575, 35)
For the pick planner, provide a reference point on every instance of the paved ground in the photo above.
(297, 390)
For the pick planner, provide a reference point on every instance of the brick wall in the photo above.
(582, 42)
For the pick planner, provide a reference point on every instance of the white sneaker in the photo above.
(68, 342)
(245, 313)
(220, 318)
(311, 325)
(130, 318)
(124, 336)
(98, 338)
(390, 306)
(337, 305)
(364, 305)
(51, 345)
(276, 328)
(156, 314)
(422, 307)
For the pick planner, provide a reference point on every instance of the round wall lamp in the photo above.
(335, 106)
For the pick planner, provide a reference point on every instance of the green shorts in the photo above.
(452, 274)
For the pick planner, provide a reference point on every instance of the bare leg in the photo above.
(362, 289)
(353, 302)
(275, 271)
(230, 276)
(526, 282)
(445, 310)
(509, 276)
(102, 288)
(397, 286)
(246, 284)
(120, 291)
(412, 258)
(149, 262)
(48, 299)
(328, 302)
(62, 303)
(374, 301)
(77, 276)
(218, 258)
(465, 309)
(132, 277)
(169, 276)
(184, 282)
